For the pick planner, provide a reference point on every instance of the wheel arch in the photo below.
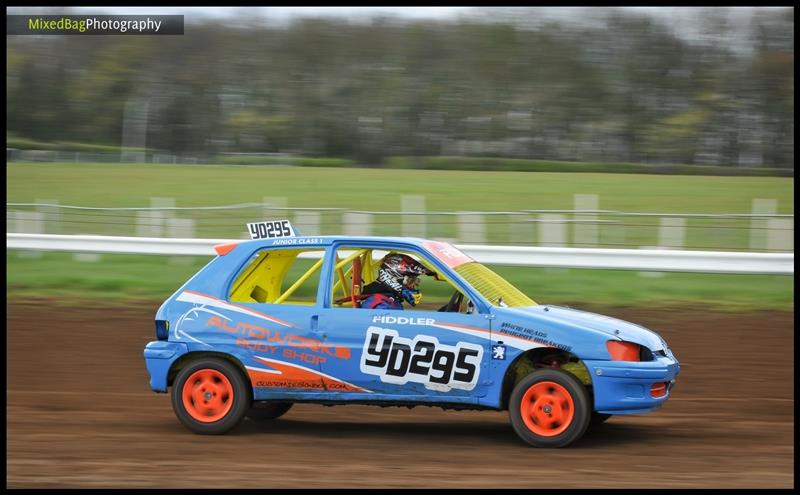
(191, 356)
(543, 358)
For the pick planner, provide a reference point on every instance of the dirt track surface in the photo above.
(81, 415)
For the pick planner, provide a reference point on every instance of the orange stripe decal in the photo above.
(289, 377)
(465, 327)
(293, 376)
(223, 249)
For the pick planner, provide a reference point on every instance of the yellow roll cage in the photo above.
(262, 280)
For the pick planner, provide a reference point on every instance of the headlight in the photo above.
(623, 351)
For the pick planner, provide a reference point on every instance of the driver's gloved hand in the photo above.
(412, 297)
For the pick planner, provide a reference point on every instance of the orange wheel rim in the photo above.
(547, 409)
(207, 395)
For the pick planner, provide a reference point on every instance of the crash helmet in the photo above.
(400, 271)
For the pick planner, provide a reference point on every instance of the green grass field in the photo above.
(373, 189)
(154, 277)
(128, 185)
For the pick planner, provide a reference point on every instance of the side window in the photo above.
(358, 268)
(279, 276)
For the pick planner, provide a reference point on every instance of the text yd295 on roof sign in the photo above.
(271, 230)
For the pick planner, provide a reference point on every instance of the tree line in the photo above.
(624, 88)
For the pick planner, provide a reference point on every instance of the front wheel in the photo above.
(549, 408)
(210, 396)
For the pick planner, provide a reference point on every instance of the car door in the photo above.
(414, 354)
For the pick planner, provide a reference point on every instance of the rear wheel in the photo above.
(263, 411)
(549, 408)
(210, 396)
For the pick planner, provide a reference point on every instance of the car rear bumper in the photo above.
(159, 356)
(631, 388)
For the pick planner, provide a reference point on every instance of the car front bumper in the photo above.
(622, 387)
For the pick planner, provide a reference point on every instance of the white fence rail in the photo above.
(620, 259)
(586, 226)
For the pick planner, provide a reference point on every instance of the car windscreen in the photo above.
(497, 290)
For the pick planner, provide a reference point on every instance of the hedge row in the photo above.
(519, 165)
(299, 161)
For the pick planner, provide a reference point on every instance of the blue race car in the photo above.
(283, 318)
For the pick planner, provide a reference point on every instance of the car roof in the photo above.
(326, 240)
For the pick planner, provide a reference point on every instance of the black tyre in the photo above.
(263, 411)
(549, 408)
(598, 418)
(210, 396)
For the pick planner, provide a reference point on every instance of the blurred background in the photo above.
(532, 126)
(692, 86)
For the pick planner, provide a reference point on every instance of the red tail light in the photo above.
(623, 351)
